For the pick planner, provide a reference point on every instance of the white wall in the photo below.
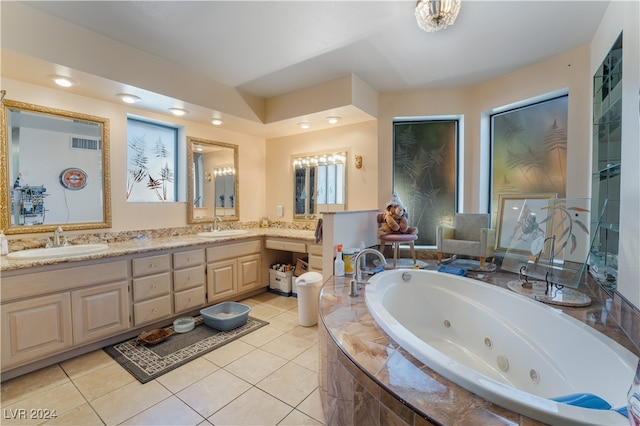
(134, 216)
(624, 16)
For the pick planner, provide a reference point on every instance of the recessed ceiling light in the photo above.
(62, 81)
(178, 111)
(216, 122)
(304, 125)
(333, 120)
(128, 98)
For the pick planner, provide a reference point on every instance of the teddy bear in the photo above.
(396, 219)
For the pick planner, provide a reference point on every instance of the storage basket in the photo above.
(226, 316)
(280, 282)
(301, 267)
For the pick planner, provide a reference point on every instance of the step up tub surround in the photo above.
(367, 378)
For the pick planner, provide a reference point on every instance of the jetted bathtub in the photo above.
(504, 347)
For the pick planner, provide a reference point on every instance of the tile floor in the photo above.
(268, 377)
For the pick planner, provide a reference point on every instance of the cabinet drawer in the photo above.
(185, 259)
(150, 265)
(286, 245)
(315, 262)
(151, 286)
(232, 250)
(188, 299)
(188, 278)
(28, 285)
(315, 249)
(152, 310)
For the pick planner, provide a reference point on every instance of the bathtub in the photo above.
(504, 347)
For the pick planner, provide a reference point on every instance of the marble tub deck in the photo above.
(367, 378)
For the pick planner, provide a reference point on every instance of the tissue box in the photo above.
(280, 282)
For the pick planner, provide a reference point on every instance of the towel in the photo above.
(319, 231)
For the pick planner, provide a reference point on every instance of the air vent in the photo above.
(84, 143)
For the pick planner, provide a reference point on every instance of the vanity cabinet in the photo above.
(52, 310)
(315, 257)
(189, 291)
(151, 288)
(233, 269)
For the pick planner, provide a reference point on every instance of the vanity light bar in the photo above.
(224, 171)
(337, 158)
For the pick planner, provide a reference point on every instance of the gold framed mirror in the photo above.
(212, 181)
(55, 169)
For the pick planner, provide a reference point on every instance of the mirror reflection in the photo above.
(213, 181)
(319, 184)
(57, 172)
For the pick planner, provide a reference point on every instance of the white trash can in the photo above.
(308, 287)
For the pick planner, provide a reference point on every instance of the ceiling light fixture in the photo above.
(216, 122)
(128, 98)
(333, 120)
(62, 81)
(178, 111)
(304, 125)
(436, 15)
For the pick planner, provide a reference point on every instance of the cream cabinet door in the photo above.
(221, 280)
(100, 311)
(35, 328)
(249, 274)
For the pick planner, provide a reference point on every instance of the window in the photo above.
(425, 173)
(529, 149)
(151, 161)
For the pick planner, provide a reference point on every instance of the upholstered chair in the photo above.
(471, 236)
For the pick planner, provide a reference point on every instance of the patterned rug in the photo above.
(146, 362)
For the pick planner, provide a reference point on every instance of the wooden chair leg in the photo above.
(439, 256)
(413, 252)
(396, 246)
(482, 259)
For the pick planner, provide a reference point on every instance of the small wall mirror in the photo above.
(58, 169)
(213, 181)
(319, 184)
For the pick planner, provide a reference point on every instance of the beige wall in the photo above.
(565, 73)
(356, 139)
(133, 216)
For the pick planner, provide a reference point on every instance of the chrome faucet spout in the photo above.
(358, 264)
(216, 223)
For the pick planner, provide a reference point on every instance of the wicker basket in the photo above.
(155, 336)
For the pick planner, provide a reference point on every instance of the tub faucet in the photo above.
(358, 264)
(216, 223)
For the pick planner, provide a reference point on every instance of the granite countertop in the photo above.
(356, 333)
(146, 244)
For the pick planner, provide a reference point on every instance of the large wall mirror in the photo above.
(319, 184)
(55, 169)
(213, 181)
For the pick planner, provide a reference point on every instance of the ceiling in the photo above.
(268, 48)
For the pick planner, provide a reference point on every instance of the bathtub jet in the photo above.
(515, 352)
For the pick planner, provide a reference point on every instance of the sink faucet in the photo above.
(216, 223)
(56, 238)
(355, 283)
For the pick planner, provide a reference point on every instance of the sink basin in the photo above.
(49, 252)
(222, 234)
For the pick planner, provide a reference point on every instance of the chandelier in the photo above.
(435, 15)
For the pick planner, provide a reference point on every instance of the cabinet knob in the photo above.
(153, 310)
(154, 286)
